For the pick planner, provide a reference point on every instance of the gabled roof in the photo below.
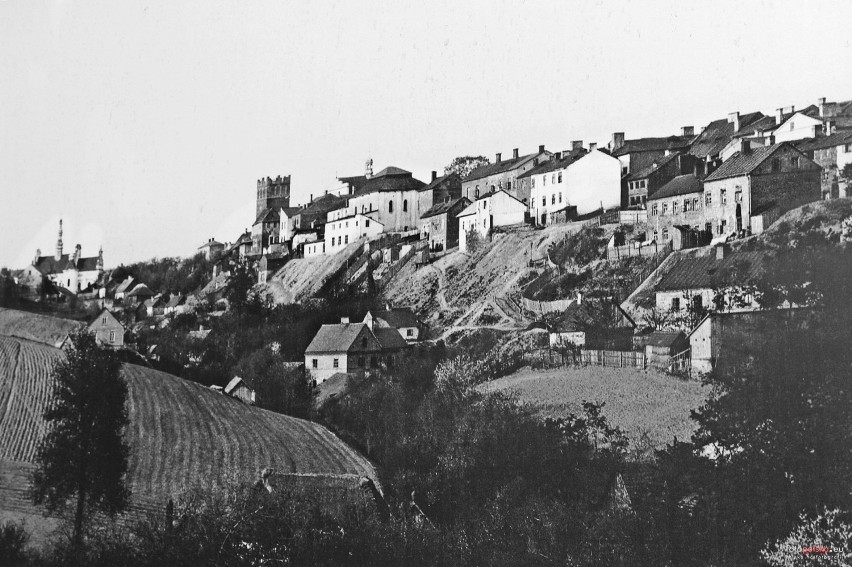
(291, 211)
(718, 133)
(765, 124)
(123, 286)
(554, 164)
(824, 142)
(50, 265)
(140, 290)
(451, 179)
(590, 312)
(445, 207)
(398, 318)
(210, 244)
(232, 385)
(664, 338)
(503, 166)
(649, 169)
(680, 185)
(267, 215)
(706, 271)
(743, 164)
(392, 170)
(652, 144)
(389, 338)
(339, 337)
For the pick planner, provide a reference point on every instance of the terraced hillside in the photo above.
(302, 278)
(181, 434)
(34, 327)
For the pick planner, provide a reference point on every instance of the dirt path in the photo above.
(442, 283)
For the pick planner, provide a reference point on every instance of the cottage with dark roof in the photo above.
(502, 175)
(820, 119)
(211, 249)
(751, 189)
(709, 145)
(401, 319)
(490, 210)
(709, 278)
(593, 323)
(642, 184)
(70, 272)
(439, 225)
(575, 183)
(351, 348)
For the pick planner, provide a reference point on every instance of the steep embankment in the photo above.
(462, 291)
(304, 277)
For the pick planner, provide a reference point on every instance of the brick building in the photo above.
(502, 175)
(644, 182)
(439, 225)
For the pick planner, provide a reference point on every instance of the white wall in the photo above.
(797, 127)
(325, 365)
(341, 233)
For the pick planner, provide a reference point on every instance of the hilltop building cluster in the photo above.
(730, 179)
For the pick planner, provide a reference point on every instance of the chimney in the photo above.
(311, 198)
(745, 147)
(593, 146)
(541, 149)
(344, 320)
(830, 127)
(687, 131)
(368, 168)
(535, 162)
(515, 153)
(734, 118)
(821, 105)
(779, 116)
(720, 252)
(577, 145)
(100, 264)
(498, 158)
(77, 254)
(617, 140)
(434, 175)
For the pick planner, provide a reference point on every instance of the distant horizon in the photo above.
(146, 128)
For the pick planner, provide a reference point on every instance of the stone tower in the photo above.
(273, 193)
(59, 243)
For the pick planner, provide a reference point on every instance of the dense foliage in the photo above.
(174, 275)
(463, 165)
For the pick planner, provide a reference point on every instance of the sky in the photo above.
(146, 125)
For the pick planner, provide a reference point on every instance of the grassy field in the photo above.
(644, 404)
(181, 434)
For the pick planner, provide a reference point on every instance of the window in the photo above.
(347, 239)
(675, 207)
(553, 178)
(675, 304)
(708, 198)
(654, 209)
(367, 222)
(665, 208)
(476, 193)
(544, 180)
(409, 332)
(508, 186)
(695, 204)
(776, 165)
(347, 224)
(792, 125)
(544, 201)
(533, 181)
(559, 177)
(722, 224)
(665, 234)
(112, 336)
(336, 362)
(738, 196)
(708, 227)
(103, 321)
(697, 302)
(794, 162)
(553, 199)
(723, 196)
(314, 363)
(560, 196)
(405, 205)
(685, 205)
(390, 206)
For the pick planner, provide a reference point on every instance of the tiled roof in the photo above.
(210, 243)
(50, 265)
(590, 312)
(266, 215)
(718, 133)
(322, 205)
(389, 338)
(765, 124)
(652, 144)
(123, 286)
(451, 179)
(397, 318)
(680, 185)
(702, 272)
(495, 168)
(649, 169)
(140, 290)
(823, 142)
(389, 179)
(290, 211)
(743, 164)
(232, 385)
(444, 207)
(338, 338)
(664, 338)
(553, 164)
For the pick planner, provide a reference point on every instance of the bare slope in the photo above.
(454, 291)
(34, 327)
(302, 278)
(180, 433)
(642, 403)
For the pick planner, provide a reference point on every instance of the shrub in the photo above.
(13, 540)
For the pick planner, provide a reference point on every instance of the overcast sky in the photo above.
(146, 125)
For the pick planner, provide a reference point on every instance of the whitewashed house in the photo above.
(342, 229)
(493, 209)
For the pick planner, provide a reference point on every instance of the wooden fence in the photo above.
(614, 358)
(632, 250)
(544, 307)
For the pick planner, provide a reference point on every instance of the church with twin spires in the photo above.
(72, 272)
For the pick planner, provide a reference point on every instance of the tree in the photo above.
(83, 456)
(825, 537)
(239, 286)
(463, 165)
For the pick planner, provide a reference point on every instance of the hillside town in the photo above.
(301, 285)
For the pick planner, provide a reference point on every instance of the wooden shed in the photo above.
(237, 388)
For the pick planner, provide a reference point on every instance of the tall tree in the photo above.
(463, 165)
(82, 460)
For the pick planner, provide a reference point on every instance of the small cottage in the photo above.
(237, 388)
(107, 329)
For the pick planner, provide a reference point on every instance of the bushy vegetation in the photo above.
(174, 275)
(580, 248)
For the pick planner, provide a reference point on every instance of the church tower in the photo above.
(273, 193)
(59, 243)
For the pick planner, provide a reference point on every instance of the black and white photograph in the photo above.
(425, 283)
